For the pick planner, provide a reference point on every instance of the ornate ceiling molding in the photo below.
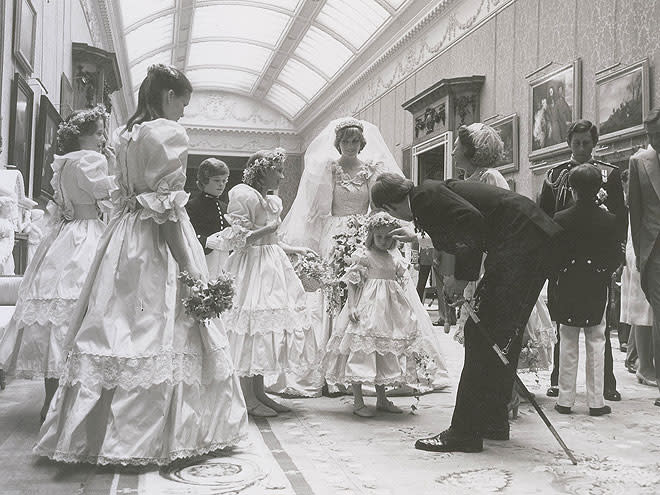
(436, 32)
(216, 141)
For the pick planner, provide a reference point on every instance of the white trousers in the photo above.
(594, 338)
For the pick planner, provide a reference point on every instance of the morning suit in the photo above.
(467, 219)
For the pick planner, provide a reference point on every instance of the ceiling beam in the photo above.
(390, 10)
(182, 32)
(288, 43)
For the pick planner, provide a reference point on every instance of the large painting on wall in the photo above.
(20, 128)
(25, 31)
(45, 147)
(622, 101)
(555, 103)
(507, 127)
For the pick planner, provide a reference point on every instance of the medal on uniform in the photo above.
(603, 174)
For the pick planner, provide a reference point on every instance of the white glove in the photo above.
(213, 241)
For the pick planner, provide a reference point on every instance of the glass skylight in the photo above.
(302, 78)
(139, 70)
(233, 53)
(133, 11)
(222, 79)
(239, 21)
(158, 33)
(322, 51)
(283, 98)
(395, 3)
(352, 20)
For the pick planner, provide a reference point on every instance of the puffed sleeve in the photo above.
(356, 272)
(92, 175)
(163, 145)
(241, 212)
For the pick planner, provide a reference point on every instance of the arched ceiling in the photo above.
(283, 52)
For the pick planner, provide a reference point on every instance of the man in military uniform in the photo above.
(556, 196)
(207, 210)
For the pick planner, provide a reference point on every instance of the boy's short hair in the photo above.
(585, 180)
(211, 167)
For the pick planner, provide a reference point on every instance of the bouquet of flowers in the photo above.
(313, 271)
(210, 300)
(346, 243)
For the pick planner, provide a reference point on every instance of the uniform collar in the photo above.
(210, 196)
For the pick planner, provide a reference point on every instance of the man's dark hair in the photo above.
(582, 126)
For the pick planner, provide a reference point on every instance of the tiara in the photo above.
(269, 160)
(348, 122)
(382, 219)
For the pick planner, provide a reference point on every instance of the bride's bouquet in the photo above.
(207, 301)
(313, 271)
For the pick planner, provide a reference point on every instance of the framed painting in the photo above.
(45, 147)
(20, 128)
(507, 127)
(66, 96)
(556, 101)
(25, 31)
(622, 101)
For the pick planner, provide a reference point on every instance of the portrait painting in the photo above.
(507, 127)
(25, 30)
(555, 103)
(45, 147)
(622, 100)
(20, 128)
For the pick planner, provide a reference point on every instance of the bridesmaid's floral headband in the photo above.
(382, 219)
(71, 127)
(260, 165)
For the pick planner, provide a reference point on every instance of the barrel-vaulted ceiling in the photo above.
(282, 51)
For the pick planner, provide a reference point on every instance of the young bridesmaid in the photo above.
(269, 327)
(145, 383)
(379, 335)
(31, 345)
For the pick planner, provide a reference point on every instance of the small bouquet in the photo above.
(313, 271)
(208, 301)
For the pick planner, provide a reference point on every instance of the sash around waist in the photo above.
(85, 212)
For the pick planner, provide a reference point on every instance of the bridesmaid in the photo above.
(32, 343)
(145, 383)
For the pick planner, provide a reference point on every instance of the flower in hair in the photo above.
(71, 127)
(382, 219)
(348, 122)
(166, 69)
(270, 160)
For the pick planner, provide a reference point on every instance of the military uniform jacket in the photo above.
(589, 253)
(556, 195)
(469, 218)
(206, 214)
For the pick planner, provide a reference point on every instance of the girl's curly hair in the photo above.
(79, 123)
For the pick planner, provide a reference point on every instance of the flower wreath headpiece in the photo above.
(382, 219)
(71, 127)
(270, 160)
(349, 122)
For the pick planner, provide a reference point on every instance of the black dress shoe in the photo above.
(599, 411)
(657, 402)
(612, 395)
(496, 434)
(553, 391)
(562, 409)
(447, 442)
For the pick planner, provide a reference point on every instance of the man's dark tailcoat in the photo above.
(468, 219)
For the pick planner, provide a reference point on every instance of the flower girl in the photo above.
(32, 343)
(269, 327)
(378, 338)
(144, 382)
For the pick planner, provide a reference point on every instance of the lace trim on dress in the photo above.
(102, 460)
(262, 321)
(25, 374)
(370, 344)
(57, 312)
(129, 373)
(401, 379)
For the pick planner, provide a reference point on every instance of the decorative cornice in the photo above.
(238, 130)
(417, 56)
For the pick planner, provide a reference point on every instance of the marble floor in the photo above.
(322, 449)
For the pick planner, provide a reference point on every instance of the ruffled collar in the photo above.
(363, 174)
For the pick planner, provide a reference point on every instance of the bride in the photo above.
(341, 165)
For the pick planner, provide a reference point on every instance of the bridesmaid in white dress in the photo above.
(145, 383)
(32, 343)
(269, 326)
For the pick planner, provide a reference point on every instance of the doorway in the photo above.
(236, 165)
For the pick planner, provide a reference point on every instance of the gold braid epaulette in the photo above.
(559, 186)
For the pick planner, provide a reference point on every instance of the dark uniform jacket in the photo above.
(206, 214)
(556, 195)
(469, 218)
(589, 253)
